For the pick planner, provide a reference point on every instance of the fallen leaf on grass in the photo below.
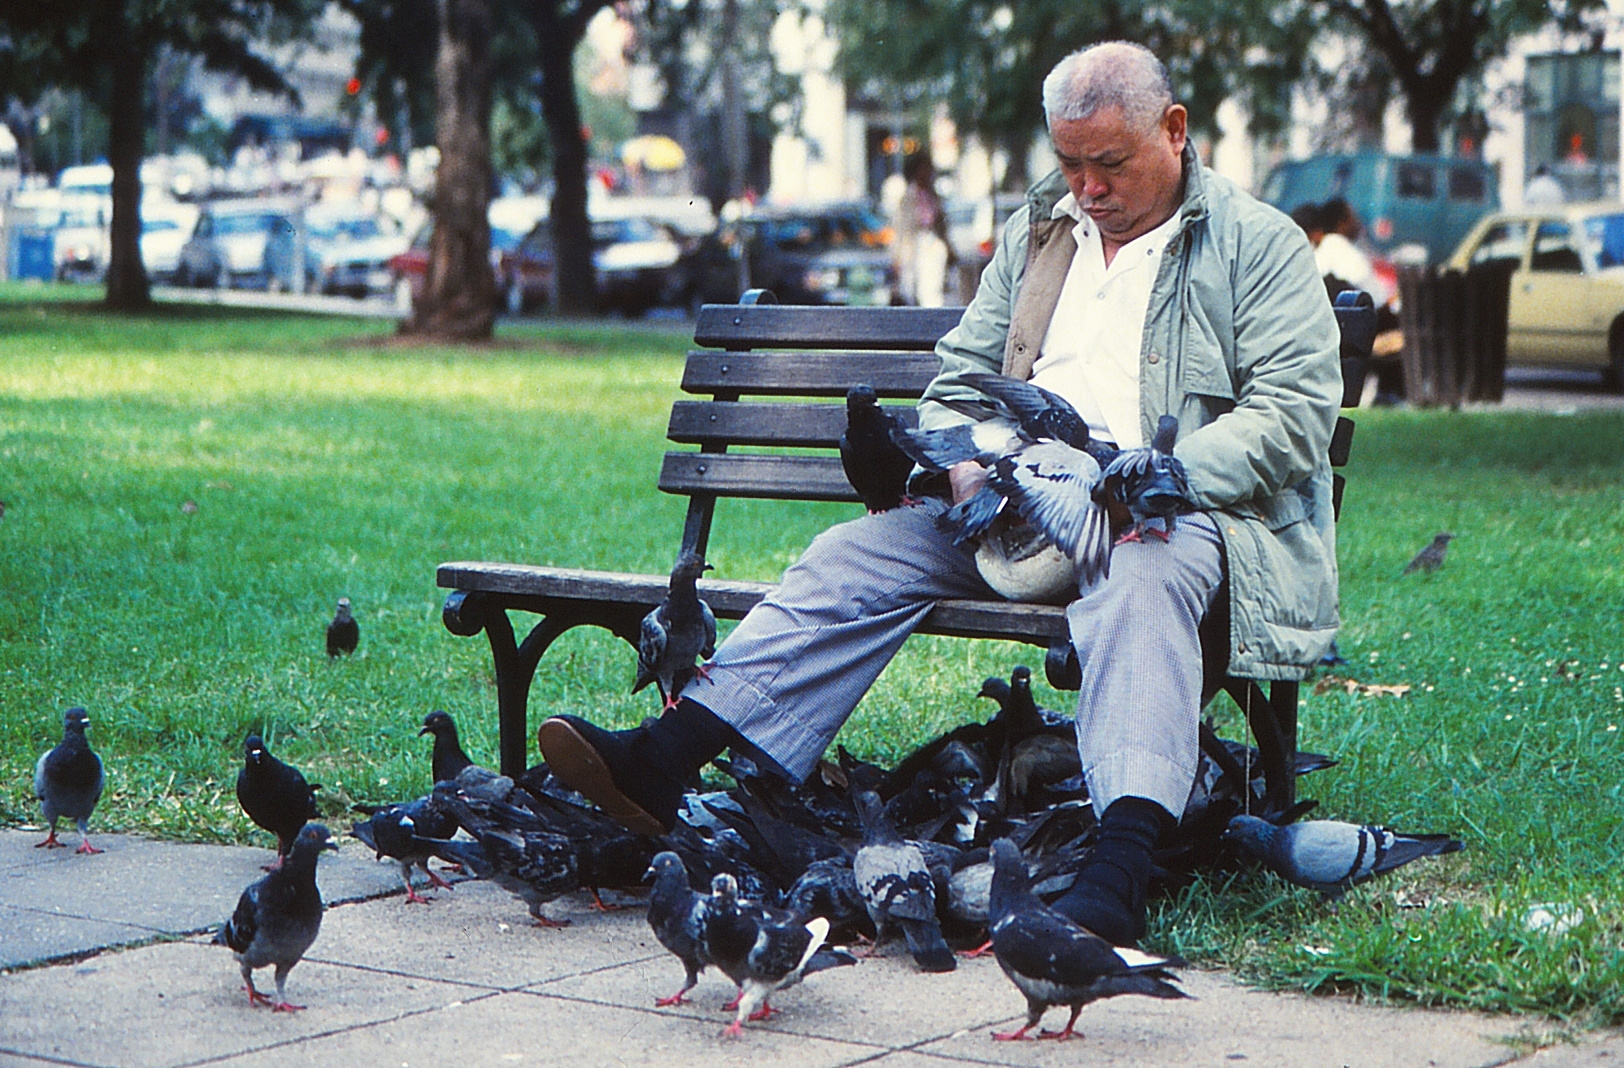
(1354, 686)
(188, 507)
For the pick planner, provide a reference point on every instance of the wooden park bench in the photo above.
(795, 364)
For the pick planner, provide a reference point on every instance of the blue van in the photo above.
(1429, 201)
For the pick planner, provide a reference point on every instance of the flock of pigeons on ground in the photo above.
(954, 850)
(957, 849)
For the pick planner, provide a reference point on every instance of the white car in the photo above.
(347, 250)
(165, 226)
(81, 238)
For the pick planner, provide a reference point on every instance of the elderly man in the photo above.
(1135, 284)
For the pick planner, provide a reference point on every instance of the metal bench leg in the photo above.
(467, 614)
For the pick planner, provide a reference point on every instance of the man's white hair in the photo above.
(1112, 74)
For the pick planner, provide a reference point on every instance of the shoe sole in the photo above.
(578, 766)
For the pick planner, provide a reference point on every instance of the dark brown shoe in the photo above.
(605, 767)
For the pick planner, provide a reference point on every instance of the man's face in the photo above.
(1127, 179)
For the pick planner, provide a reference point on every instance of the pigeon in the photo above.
(343, 633)
(1432, 557)
(761, 948)
(274, 795)
(1147, 484)
(393, 832)
(68, 781)
(526, 859)
(681, 628)
(277, 918)
(1036, 449)
(896, 885)
(1053, 961)
(828, 888)
(1330, 856)
(448, 758)
(677, 915)
(874, 466)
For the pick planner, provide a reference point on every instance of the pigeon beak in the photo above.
(710, 567)
(648, 876)
(331, 843)
(425, 730)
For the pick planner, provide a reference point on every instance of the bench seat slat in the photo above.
(554, 588)
(775, 478)
(787, 425)
(809, 374)
(757, 326)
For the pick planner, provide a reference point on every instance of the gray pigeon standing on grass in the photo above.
(1331, 856)
(275, 795)
(1053, 961)
(68, 781)
(343, 633)
(277, 918)
(896, 885)
(1432, 557)
(680, 630)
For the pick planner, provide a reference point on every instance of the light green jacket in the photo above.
(1242, 347)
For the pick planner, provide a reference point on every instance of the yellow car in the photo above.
(1567, 291)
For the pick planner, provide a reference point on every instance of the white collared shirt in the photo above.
(1090, 355)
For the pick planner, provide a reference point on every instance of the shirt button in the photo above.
(1100, 294)
(1155, 357)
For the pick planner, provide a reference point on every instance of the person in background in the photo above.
(922, 253)
(1543, 188)
(1346, 266)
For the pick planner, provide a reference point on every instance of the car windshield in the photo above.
(351, 228)
(1606, 235)
(612, 231)
(844, 230)
(244, 224)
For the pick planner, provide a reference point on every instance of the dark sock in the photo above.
(1108, 897)
(685, 739)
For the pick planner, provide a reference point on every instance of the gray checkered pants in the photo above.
(792, 671)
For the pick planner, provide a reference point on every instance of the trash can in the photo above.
(1454, 325)
(31, 254)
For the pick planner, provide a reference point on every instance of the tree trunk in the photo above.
(558, 35)
(127, 288)
(458, 301)
(1425, 111)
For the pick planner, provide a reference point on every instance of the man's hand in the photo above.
(966, 478)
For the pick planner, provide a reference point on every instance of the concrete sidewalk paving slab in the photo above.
(158, 887)
(881, 1001)
(529, 1029)
(35, 934)
(1227, 1023)
(481, 934)
(181, 1002)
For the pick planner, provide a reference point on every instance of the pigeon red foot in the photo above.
(51, 842)
(87, 848)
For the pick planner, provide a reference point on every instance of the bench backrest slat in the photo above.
(815, 426)
(765, 326)
(809, 374)
(779, 478)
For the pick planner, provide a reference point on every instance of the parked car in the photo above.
(1424, 201)
(347, 250)
(974, 226)
(1567, 282)
(638, 264)
(241, 244)
(165, 227)
(510, 219)
(81, 237)
(837, 254)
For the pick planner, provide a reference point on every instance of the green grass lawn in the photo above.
(325, 459)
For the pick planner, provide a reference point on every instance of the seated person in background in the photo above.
(1136, 284)
(1345, 266)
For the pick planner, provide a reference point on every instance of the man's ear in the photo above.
(1176, 123)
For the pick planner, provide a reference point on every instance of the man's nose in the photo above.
(1095, 187)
